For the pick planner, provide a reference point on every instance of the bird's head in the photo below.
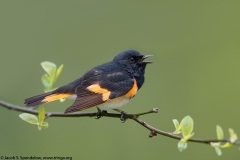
(132, 60)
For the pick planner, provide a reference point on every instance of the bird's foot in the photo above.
(122, 117)
(99, 113)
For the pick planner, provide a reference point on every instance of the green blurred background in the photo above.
(196, 71)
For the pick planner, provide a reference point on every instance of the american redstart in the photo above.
(109, 85)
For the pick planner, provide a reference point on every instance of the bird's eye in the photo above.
(132, 59)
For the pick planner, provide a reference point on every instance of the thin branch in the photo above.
(153, 131)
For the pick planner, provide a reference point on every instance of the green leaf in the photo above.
(30, 118)
(226, 145)
(218, 151)
(50, 68)
(43, 125)
(186, 138)
(219, 131)
(176, 124)
(46, 82)
(233, 135)
(186, 126)
(59, 70)
(182, 146)
(41, 115)
(215, 144)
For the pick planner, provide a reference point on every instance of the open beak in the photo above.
(145, 57)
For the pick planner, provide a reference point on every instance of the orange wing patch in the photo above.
(132, 91)
(55, 97)
(96, 88)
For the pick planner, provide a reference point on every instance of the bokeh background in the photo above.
(196, 72)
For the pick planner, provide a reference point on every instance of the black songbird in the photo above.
(109, 85)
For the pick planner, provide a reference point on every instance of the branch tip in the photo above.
(155, 110)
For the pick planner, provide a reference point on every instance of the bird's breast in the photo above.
(115, 103)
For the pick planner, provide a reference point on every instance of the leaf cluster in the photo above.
(185, 127)
(48, 80)
(32, 119)
(51, 75)
(220, 136)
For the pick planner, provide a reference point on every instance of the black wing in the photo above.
(99, 87)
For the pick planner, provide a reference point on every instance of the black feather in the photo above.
(36, 100)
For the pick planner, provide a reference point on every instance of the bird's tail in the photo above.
(45, 98)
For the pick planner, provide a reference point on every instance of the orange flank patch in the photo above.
(132, 91)
(96, 88)
(55, 97)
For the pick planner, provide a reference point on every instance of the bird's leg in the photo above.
(99, 113)
(122, 118)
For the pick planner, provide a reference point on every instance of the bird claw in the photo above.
(122, 118)
(99, 113)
